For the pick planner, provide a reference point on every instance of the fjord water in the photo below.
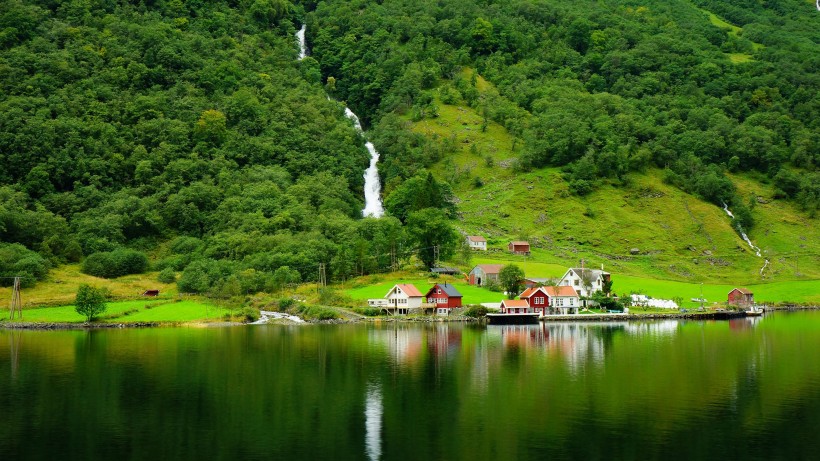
(745, 389)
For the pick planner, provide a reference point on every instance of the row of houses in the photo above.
(402, 299)
(584, 281)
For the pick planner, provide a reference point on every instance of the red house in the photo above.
(444, 296)
(741, 297)
(519, 248)
(537, 299)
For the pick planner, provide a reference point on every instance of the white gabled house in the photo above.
(585, 281)
(404, 297)
(477, 242)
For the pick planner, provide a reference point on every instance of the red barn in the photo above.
(741, 297)
(519, 248)
(537, 298)
(444, 296)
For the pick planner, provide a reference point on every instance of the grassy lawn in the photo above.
(155, 310)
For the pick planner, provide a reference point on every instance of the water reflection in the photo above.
(373, 421)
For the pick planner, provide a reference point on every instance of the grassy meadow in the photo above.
(135, 311)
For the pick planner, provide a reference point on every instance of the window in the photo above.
(438, 291)
(571, 301)
(576, 282)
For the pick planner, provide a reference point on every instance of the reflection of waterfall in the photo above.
(746, 238)
(300, 36)
(372, 185)
(373, 422)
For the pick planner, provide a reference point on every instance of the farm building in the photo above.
(477, 242)
(483, 273)
(741, 297)
(519, 247)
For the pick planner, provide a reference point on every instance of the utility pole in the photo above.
(16, 300)
(393, 260)
(322, 282)
(435, 255)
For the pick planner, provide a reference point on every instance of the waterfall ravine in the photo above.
(372, 185)
(745, 237)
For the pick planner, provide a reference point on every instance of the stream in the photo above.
(746, 238)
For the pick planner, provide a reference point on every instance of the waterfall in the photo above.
(300, 36)
(372, 185)
(746, 238)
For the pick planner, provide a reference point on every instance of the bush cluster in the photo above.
(112, 264)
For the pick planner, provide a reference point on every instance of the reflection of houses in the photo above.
(519, 247)
(476, 242)
(483, 273)
(741, 297)
(445, 297)
(585, 281)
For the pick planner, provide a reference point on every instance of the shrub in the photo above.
(115, 263)
(476, 311)
(167, 275)
(286, 303)
(17, 260)
(250, 314)
(90, 302)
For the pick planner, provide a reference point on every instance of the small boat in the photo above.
(507, 319)
(755, 311)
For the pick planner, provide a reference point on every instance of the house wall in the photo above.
(477, 245)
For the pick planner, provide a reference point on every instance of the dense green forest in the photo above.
(188, 130)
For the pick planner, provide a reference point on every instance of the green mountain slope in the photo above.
(675, 235)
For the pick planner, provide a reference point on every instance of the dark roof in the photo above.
(447, 288)
(445, 270)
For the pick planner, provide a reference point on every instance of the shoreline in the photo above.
(725, 315)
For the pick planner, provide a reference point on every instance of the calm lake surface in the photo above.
(744, 389)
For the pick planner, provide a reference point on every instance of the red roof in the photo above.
(531, 291)
(490, 268)
(410, 290)
(520, 242)
(514, 303)
(476, 238)
(561, 291)
(743, 290)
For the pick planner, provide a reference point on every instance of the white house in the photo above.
(404, 297)
(477, 242)
(585, 281)
(562, 299)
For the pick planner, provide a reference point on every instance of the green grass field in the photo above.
(132, 312)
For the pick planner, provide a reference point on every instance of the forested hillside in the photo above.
(189, 132)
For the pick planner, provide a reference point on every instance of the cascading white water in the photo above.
(300, 36)
(745, 237)
(372, 185)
